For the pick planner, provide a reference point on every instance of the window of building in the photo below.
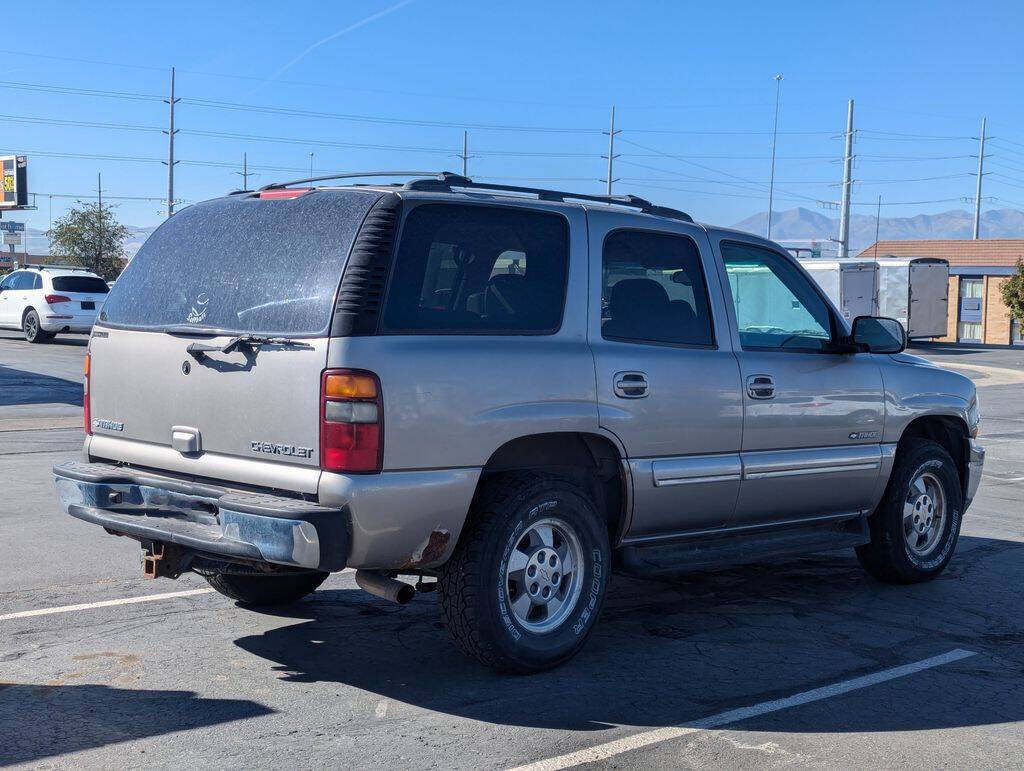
(653, 290)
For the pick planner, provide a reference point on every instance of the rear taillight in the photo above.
(86, 411)
(351, 421)
(53, 299)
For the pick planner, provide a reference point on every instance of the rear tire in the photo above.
(525, 585)
(915, 528)
(259, 590)
(34, 333)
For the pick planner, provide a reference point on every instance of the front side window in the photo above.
(478, 270)
(653, 290)
(8, 282)
(776, 305)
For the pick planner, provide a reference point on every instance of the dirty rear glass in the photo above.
(242, 265)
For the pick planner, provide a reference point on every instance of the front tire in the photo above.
(258, 590)
(34, 333)
(915, 528)
(526, 583)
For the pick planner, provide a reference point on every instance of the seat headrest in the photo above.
(636, 292)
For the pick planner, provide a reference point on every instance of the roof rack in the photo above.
(351, 175)
(49, 266)
(446, 180)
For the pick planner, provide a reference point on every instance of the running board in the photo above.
(720, 550)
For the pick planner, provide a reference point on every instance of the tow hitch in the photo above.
(163, 560)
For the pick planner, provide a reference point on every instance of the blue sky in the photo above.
(692, 84)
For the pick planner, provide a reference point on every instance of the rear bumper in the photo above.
(975, 466)
(70, 324)
(204, 518)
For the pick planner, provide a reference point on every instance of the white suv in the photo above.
(47, 299)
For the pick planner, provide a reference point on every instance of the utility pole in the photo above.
(611, 150)
(981, 173)
(878, 220)
(245, 171)
(311, 164)
(844, 212)
(775, 136)
(171, 131)
(465, 154)
(99, 222)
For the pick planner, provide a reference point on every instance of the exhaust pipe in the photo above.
(380, 585)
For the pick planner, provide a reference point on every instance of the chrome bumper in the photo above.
(975, 464)
(204, 518)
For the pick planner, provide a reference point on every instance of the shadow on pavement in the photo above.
(667, 652)
(41, 721)
(18, 386)
(75, 341)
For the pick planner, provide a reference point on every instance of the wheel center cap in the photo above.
(543, 575)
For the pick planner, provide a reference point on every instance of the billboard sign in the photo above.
(14, 194)
(12, 239)
(12, 227)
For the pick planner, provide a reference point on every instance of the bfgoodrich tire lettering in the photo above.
(474, 585)
(924, 474)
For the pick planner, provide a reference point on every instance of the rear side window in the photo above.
(653, 290)
(37, 281)
(242, 265)
(86, 284)
(479, 269)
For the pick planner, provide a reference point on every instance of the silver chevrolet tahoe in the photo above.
(504, 393)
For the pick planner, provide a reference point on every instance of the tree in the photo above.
(90, 237)
(1013, 293)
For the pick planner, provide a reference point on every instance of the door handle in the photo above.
(631, 385)
(761, 387)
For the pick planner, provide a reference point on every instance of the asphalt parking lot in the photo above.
(804, 662)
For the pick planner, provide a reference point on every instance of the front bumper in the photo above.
(975, 465)
(204, 518)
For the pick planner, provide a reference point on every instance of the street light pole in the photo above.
(775, 136)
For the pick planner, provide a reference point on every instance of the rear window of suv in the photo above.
(478, 270)
(242, 265)
(86, 284)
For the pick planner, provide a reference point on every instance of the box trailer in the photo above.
(850, 284)
(915, 291)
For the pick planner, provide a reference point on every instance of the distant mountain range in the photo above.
(793, 224)
(801, 223)
(37, 243)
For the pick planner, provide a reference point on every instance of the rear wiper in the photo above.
(250, 342)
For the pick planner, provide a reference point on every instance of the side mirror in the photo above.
(877, 334)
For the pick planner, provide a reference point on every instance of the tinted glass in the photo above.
(37, 281)
(653, 289)
(89, 284)
(20, 280)
(237, 264)
(776, 305)
(479, 269)
(11, 281)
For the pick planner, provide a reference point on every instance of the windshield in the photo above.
(89, 284)
(242, 265)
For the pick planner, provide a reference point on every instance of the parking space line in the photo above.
(658, 735)
(103, 604)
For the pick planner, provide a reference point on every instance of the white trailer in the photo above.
(850, 284)
(914, 291)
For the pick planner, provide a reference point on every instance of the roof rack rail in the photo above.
(446, 180)
(48, 266)
(353, 175)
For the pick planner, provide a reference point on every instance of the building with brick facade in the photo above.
(977, 313)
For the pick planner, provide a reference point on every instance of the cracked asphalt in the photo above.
(345, 680)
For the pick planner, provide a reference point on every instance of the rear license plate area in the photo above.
(88, 306)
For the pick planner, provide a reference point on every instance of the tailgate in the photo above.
(254, 413)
